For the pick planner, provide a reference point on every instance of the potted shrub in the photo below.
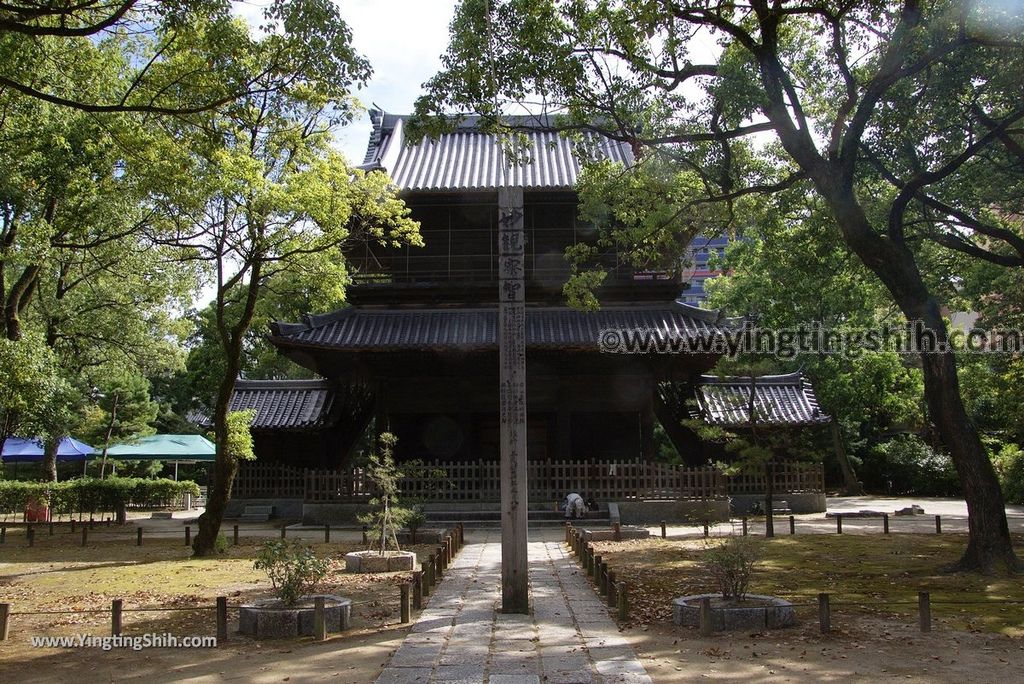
(385, 518)
(730, 564)
(295, 573)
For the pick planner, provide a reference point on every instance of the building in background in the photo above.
(700, 259)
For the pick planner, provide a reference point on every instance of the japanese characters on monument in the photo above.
(512, 397)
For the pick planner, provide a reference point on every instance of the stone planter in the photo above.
(271, 619)
(764, 612)
(372, 561)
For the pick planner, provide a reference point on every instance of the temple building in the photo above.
(416, 350)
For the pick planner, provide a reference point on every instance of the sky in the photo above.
(404, 40)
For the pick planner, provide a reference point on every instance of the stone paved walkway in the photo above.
(461, 635)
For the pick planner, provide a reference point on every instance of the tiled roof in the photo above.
(281, 404)
(778, 400)
(466, 159)
(358, 329)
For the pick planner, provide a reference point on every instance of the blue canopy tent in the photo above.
(21, 450)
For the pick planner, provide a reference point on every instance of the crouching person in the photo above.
(575, 507)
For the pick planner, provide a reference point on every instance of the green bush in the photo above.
(90, 494)
(907, 465)
(294, 570)
(730, 565)
(1009, 464)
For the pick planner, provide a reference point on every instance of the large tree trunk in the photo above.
(989, 544)
(225, 467)
(50, 458)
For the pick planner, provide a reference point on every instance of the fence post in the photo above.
(623, 602)
(568, 531)
(284, 531)
(417, 590)
(404, 599)
(319, 619)
(705, 617)
(663, 534)
(235, 534)
(938, 524)
(30, 534)
(839, 523)
(72, 524)
(222, 619)
(3, 535)
(744, 526)
(51, 528)
(824, 614)
(885, 523)
(428, 575)
(612, 602)
(705, 528)
(924, 609)
(85, 532)
(188, 535)
(5, 621)
(138, 536)
(327, 534)
(115, 617)
(792, 525)
(365, 530)
(616, 532)
(598, 563)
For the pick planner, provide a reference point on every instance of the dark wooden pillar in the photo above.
(512, 388)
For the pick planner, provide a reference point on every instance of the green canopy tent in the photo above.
(173, 448)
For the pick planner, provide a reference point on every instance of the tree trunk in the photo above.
(989, 544)
(225, 467)
(851, 485)
(50, 458)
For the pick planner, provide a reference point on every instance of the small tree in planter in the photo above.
(294, 570)
(387, 517)
(731, 564)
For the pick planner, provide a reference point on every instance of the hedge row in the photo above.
(92, 494)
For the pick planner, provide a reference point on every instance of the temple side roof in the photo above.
(281, 404)
(467, 159)
(358, 329)
(778, 400)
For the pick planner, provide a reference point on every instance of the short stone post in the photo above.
(188, 535)
(664, 534)
(589, 560)
(3, 535)
(792, 525)
(327, 534)
(428, 575)
(222, 619)
(705, 617)
(824, 614)
(616, 531)
(138, 536)
(612, 600)
(85, 533)
(284, 531)
(597, 572)
(366, 539)
(839, 523)
(938, 524)
(885, 523)
(30, 534)
(92, 522)
(568, 532)
(744, 526)
(5, 621)
(623, 601)
(319, 619)
(51, 528)
(602, 577)
(440, 562)
(404, 602)
(705, 528)
(115, 617)
(417, 590)
(924, 611)
(235, 535)
(451, 549)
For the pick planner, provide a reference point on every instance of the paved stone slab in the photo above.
(462, 637)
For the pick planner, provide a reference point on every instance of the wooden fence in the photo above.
(469, 481)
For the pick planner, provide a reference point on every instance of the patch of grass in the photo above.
(854, 569)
